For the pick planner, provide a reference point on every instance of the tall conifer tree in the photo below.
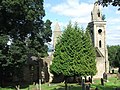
(74, 54)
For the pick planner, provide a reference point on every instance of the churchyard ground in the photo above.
(113, 82)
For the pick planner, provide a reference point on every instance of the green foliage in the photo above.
(111, 85)
(103, 17)
(74, 54)
(21, 23)
(117, 58)
(113, 55)
(110, 2)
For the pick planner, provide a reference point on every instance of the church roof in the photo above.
(98, 53)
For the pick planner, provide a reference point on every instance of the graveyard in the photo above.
(33, 56)
(112, 83)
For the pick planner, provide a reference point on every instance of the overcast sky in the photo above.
(63, 11)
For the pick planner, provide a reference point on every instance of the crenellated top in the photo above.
(96, 14)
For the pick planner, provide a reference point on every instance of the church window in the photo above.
(100, 44)
(100, 31)
(98, 13)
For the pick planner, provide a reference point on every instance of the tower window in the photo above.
(98, 13)
(100, 44)
(100, 31)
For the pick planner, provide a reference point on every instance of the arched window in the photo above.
(100, 44)
(98, 13)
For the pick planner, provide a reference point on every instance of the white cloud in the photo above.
(72, 8)
(113, 20)
(81, 20)
(81, 13)
(113, 35)
(47, 5)
(117, 12)
(76, 11)
(113, 31)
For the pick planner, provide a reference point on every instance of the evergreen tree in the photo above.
(72, 56)
(89, 53)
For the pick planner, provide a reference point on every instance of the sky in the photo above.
(63, 11)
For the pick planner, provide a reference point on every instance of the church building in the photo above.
(98, 36)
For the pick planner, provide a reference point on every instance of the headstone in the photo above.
(102, 81)
(79, 81)
(96, 88)
(113, 71)
(83, 84)
(105, 76)
(18, 87)
(87, 87)
(37, 86)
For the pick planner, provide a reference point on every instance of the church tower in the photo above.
(98, 36)
(57, 32)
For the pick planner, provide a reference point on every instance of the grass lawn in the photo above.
(112, 83)
(61, 86)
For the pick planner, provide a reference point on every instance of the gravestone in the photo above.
(105, 76)
(102, 81)
(83, 84)
(17, 87)
(87, 87)
(96, 88)
(113, 71)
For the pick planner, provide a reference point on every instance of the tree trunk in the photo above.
(65, 83)
(91, 79)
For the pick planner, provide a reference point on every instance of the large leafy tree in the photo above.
(113, 55)
(21, 24)
(73, 55)
(118, 58)
(110, 2)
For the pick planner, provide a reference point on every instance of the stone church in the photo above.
(41, 70)
(98, 36)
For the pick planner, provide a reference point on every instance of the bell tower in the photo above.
(98, 29)
(98, 36)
